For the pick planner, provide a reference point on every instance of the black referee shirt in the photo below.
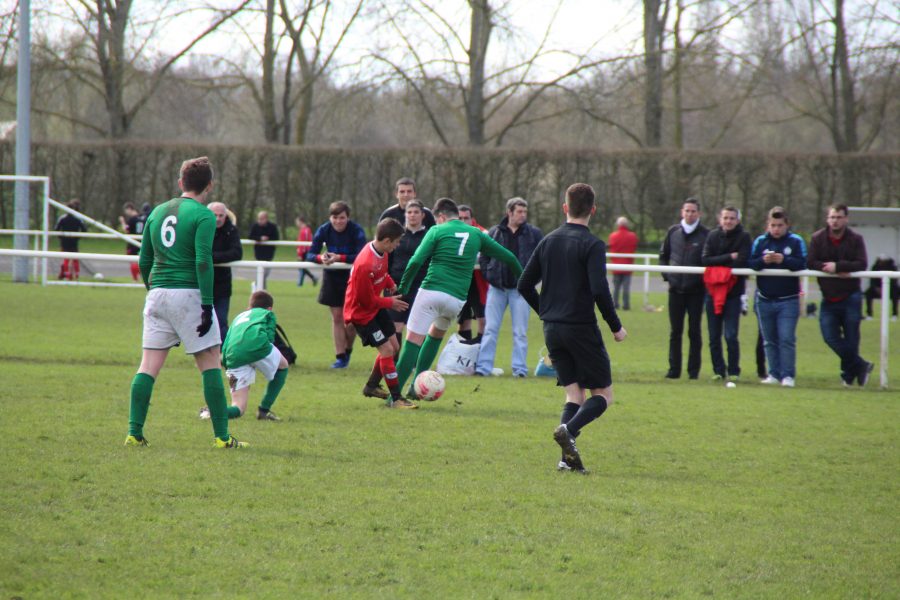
(571, 263)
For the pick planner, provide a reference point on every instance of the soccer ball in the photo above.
(429, 385)
(98, 275)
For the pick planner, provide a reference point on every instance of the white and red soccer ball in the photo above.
(429, 385)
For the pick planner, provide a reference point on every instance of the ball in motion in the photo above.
(731, 384)
(429, 385)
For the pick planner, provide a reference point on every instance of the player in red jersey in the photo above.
(366, 309)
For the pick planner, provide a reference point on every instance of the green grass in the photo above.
(695, 490)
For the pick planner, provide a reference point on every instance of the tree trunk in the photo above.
(653, 37)
(112, 22)
(270, 122)
(480, 35)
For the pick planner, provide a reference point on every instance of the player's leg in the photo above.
(275, 368)
(152, 362)
(339, 336)
(76, 267)
(208, 361)
(519, 312)
(446, 308)
(494, 307)
(389, 371)
(421, 315)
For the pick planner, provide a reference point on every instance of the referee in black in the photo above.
(571, 264)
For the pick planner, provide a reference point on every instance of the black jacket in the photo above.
(681, 250)
(400, 256)
(395, 212)
(270, 229)
(521, 243)
(717, 252)
(226, 248)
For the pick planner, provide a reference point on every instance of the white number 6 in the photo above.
(168, 231)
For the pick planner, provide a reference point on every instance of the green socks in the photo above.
(409, 354)
(429, 352)
(141, 390)
(273, 389)
(214, 393)
(234, 412)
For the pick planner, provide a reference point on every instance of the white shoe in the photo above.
(787, 382)
(867, 318)
(204, 413)
(769, 380)
(496, 371)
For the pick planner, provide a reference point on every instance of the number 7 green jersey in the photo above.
(176, 250)
(453, 248)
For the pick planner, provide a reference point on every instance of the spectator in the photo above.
(304, 234)
(226, 248)
(343, 239)
(778, 298)
(264, 231)
(839, 250)
(683, 247)
(516, 235)
(473, 309)
(70, 268)
(404, 191)
(883, 263)
(622, 241)
(728, 245)
(132, 223)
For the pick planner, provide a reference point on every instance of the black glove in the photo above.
(205, 320)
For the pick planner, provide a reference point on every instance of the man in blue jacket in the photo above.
(520, 238)
(778, 298)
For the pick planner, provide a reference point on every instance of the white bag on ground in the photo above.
(458, 358)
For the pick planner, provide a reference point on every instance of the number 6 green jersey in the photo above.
(453, 248)
(176, 250)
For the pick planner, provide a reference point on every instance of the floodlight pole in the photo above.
(23, 139)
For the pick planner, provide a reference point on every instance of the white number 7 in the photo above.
(465, 238)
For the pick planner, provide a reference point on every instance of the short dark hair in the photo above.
(512, 203)
(731, 208)
(388, 229)
(692, 200)
(838, 206)
(446, 207)
(415, 204)
(261, 299)
(580, 200)
(404, 181)
(129, 206)
(338, 207)
(196, 174)
(777, 212)
(465, 207)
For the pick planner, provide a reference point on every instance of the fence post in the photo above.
(885, 311)
(646, 283)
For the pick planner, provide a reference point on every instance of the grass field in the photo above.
(695, 490)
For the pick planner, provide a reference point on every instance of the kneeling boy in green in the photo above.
(248, 348)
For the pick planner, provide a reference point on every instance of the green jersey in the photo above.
(453, 248)
(176, 250)
(249, 338)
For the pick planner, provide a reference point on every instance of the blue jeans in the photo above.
(839, 322)
(497, 301)
(221, 305)
(778, 324)
(729, 321)
(622, 282)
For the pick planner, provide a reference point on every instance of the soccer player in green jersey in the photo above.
(177, 269)
(248, 348)
(453, 248)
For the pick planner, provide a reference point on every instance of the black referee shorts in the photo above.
(378, 331)
(578, 355)
(473, 308)
(334, 286)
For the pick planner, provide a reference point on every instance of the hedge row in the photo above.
(647, 186)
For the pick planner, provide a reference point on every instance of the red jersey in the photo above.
(304, 235)
(368, 278)
(622, 241)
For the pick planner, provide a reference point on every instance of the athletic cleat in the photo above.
(133, 440)
(570, 451)
(204, 413)
(412, 395)
(402, 403)
(340, 363)
(562, 466)
(769, 380)
(266, 415)
(231, 443)
(864, 374)
(375, 392)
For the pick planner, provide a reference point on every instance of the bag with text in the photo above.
(458, 358)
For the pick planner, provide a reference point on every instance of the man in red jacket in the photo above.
(366, 309)
(622, 241)
(839, 250)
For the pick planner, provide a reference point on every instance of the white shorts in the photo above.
(172, 316)
(244, 376)
(430, 306)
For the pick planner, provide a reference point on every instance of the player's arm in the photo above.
(531, 275)
(145, 257)
(313, 254)
(203, 237)
(600, 287)
(359, 242)
(493, 249)
(422, 253)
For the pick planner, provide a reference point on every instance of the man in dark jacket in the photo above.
(520, 238)
(226, 248)
(837, 249)
(264, 230)
(404, 191)
(728, 245)
(683, 247)
(71, 224)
